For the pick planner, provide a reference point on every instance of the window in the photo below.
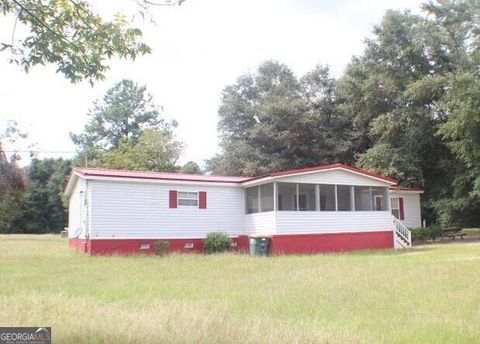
(188, 198)
(344, 197)
(327, 197)
(252, 200)
(363, 201)
(395, 206)
(266, 197)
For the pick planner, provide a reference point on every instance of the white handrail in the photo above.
(402, 231)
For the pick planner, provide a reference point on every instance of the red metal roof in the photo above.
(102, 172)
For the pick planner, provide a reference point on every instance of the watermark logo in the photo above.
(25, 335)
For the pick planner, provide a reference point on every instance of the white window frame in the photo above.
(179, 198)
(394, 200)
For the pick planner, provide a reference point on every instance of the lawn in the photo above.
(428, 294)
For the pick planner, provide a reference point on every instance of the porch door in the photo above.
(378, 202)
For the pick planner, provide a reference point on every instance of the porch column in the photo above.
(275, 201)
(352, 197)
(371, 199)
(317, 197)
(259, 199)
(297, 195)
(336, 198)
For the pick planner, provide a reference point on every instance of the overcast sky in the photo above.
(198, 48)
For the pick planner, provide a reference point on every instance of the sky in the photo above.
(198, 49)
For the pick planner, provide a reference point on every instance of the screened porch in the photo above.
(282, 196)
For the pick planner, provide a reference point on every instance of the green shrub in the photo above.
(436, 231)
(415, 234)
(422, 234)
(419, 234)
(162, 247)
(217, 242)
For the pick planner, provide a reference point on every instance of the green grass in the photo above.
(429, 294)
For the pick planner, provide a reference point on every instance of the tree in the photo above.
(12, 182)
(70, 35)
(191, 167)
(462, 129)
(12, 135)
(328, 133)
(461, 132)
(121, 116)
(12, 187)
(270, 120)
(155, 150)
(42, 209)
(398, 94)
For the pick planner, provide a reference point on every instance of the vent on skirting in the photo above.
(144, 246)
(189, 245)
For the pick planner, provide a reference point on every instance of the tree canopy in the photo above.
(191, 167)
(43, 210)
(126, 130)
(271, 120)
(155, 150)
(12, 188)
(70, 35)
(125, 110)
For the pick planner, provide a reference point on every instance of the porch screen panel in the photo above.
(306, 197)
(344, 197)
(327, 197)
(379, 198)
(266, 197)
(252, 200)
(287, 196)
(363, 199)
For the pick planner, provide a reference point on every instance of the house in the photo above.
(317, 209)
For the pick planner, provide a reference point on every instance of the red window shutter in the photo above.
(202, 200)
(173, 199)
(400, 205)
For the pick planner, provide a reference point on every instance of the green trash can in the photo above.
(259, 246)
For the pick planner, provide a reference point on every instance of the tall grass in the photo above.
(425, 295)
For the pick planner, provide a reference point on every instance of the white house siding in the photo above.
(77, 210)
(260, 223)
(293, 222)
(124, 209)
(337, 176)
(411, 208)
